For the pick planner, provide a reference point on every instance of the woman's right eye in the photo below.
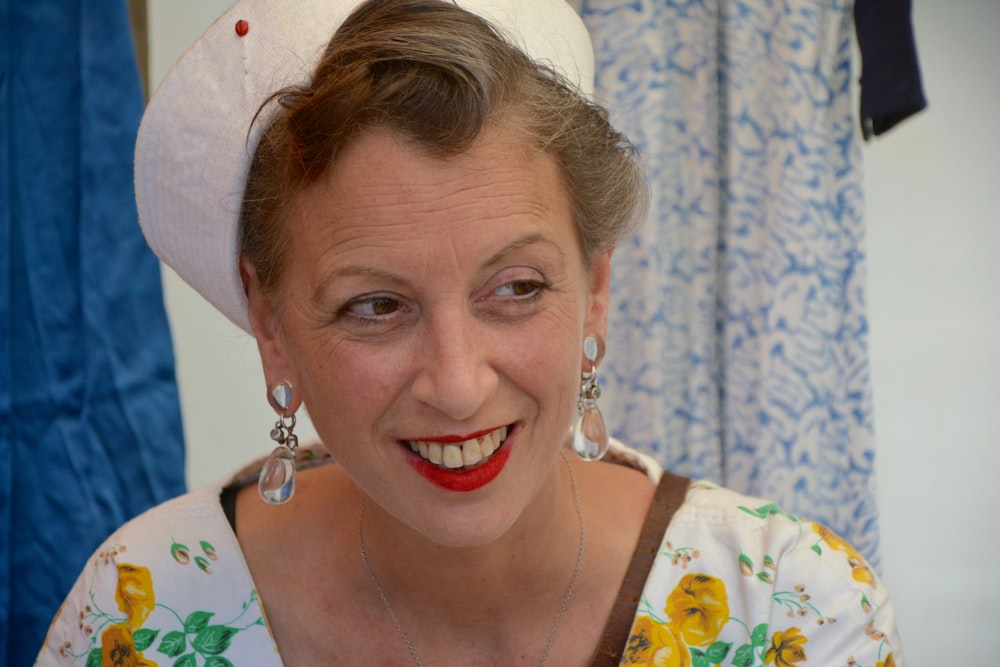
(372, 307)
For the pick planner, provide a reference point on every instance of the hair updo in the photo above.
(437, 76)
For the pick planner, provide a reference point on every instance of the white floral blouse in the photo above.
(737, 582)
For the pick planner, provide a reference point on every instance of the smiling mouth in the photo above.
(461, 456)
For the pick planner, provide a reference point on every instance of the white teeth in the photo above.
(459, 454)
(453, 456)
(471, 453)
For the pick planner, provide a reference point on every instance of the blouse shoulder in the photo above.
(169, 584)
(738, 581)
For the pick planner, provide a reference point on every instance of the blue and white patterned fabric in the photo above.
(737, 349)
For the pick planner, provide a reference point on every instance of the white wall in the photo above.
(933, 215)
(933, 191)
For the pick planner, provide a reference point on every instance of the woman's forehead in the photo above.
(383, 192)
(383, 177)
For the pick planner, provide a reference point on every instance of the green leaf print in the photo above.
(209, 550)
(94, 658)
(699, 659)
(217, 661)
(180, 553)
(144, 638)
(173, 644)
(743, 656)
(759, 635)
(186, 660)
(770, 509)
(717, 652)
(197, 621)
(214, 639)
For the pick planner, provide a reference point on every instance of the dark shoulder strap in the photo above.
(228, 501)
(669, 495)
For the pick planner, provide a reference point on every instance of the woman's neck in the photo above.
(464, 586)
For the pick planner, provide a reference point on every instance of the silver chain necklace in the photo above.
(562, 608)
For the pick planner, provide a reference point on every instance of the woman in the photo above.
(418, 235)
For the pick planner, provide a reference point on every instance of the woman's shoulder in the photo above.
(740, 581)
(170, 583)
(708, 501)
(755, 538)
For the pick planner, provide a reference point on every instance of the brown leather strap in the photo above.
(669, 495)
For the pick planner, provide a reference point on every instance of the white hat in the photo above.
(193, 151)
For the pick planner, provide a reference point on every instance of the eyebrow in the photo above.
(524, 242)
(355, 271)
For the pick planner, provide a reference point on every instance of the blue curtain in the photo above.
(738, 349)
(90, 430)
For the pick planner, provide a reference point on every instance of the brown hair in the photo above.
(437, 75)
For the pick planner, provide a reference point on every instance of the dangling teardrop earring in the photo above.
(276, 483)
(589, 433)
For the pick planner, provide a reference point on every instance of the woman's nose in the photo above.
(455, 375)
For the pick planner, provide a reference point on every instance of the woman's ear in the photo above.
(271, 343)
(263, 319)
(599, 294)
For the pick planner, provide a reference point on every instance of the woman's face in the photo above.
(436, 305)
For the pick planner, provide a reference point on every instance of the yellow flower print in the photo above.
(888, 662)
(653, 644)
(859, 569)
(135, 595)
(117, 647)
(698, 608)
(833, 539)
(786, 648)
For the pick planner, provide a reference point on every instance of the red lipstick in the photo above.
(462, 480)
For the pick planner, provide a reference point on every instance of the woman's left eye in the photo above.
(519, 288)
